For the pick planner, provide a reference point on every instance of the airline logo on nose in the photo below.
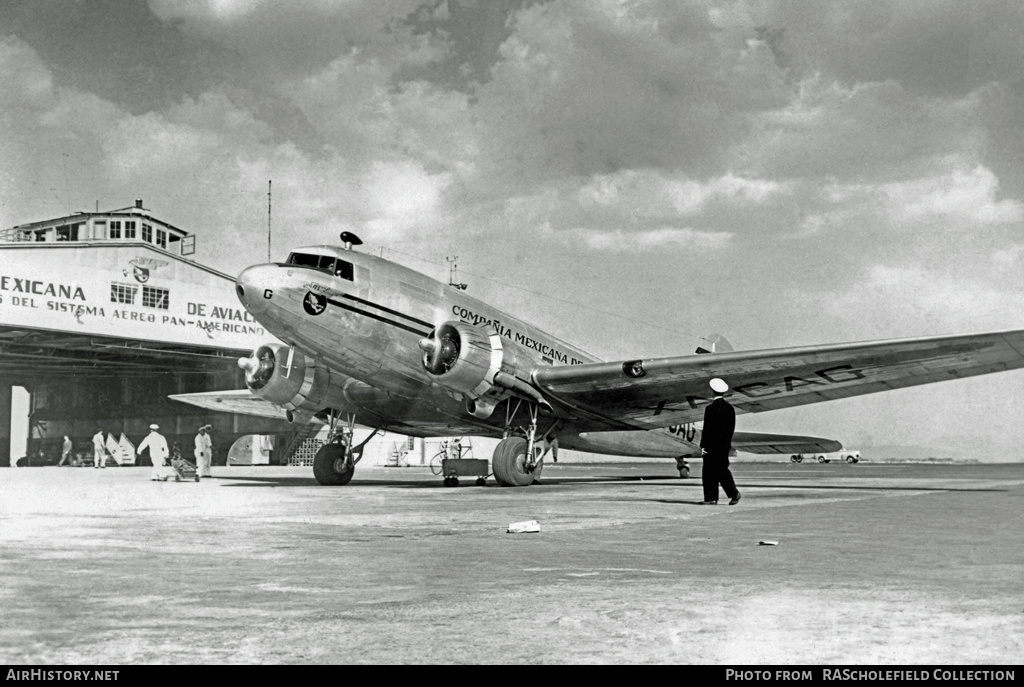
(314, 303)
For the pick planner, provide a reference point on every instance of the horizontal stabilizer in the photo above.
(239, 401)
(752, 442)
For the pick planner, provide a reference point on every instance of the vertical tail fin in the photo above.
(715, 343)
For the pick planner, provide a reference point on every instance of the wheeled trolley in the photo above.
(454, 468)
(183, 469)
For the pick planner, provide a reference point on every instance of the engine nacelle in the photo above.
(465, 359)
(290, 379)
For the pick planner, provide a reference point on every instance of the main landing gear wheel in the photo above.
(329, 466)
(510, 465)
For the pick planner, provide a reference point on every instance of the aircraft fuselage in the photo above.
(363, 318)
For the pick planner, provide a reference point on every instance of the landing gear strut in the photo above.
(518, 461)
(335, 462)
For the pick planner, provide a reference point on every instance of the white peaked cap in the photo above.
(719, 385)
(154, 426)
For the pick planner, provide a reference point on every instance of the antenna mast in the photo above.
(269, 188)
(453, 269)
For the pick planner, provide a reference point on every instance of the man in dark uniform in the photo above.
(715, 445)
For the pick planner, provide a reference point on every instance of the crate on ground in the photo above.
(305, 452)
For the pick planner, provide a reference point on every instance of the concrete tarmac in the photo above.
(888, 564)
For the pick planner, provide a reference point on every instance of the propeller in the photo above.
(259, 368)
(440, 352)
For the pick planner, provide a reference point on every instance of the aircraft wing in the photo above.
(753, 442)
(660, 392)
(239, 401)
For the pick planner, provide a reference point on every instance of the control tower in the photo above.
(103, 315)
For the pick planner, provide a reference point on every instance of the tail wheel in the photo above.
(329, 466)
(510, 466)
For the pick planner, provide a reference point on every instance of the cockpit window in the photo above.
(324, 263)
(343, 270)
(303, 259)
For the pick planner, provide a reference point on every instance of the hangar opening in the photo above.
(103, 315)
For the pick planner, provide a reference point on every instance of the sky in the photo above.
(630, 175)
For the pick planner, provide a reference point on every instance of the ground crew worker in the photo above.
(715, 445)
(455, 449)
(65, 451)
(203, 452)
(157, 453)
(99, 450)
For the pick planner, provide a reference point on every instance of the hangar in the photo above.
(105, 314)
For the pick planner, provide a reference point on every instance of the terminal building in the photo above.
(103, 315)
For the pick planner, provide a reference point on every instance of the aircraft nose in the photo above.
(255, 288)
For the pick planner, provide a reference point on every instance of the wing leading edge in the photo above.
(660, 392)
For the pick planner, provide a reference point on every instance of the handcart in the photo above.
(454, 468)
(183, 469)
(451, 463)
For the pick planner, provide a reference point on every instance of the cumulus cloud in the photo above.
(201, 164)
(960, 195)
(873, 129)
(26, 82)
(911, 299)
(588, 88)
(956, 199)
(650, 192)
(289, 40)
(662, 238)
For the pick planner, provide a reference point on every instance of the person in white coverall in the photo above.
(99, 450)
(157, 453)
(65, 451)
(204, 452)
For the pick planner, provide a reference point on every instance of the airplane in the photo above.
(372, 342)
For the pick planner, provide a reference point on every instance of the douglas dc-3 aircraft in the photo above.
(373, 342)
